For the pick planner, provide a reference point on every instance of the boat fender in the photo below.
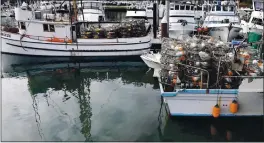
(229, 73)
(216, 111)
(174, 80)
(233, 107)
(205, 29)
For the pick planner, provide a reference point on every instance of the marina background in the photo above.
(100, 101)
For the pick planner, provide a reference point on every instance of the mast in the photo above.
(82, 9)
(70, 15)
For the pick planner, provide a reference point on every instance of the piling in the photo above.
(167, 16)
(164, 28)
(155, 20)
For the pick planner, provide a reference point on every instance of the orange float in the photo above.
(229, 73)
(174, 80)
(216, 111)
(233, 107)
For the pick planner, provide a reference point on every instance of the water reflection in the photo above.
(64, 84)
(182, 129)
(101, 101)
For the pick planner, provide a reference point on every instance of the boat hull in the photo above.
(150, 62)
(223, 33)
(198, 103)
(11, 44)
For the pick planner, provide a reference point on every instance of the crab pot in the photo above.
(89, 34)
(111, 34)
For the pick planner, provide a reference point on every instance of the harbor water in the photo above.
(46, 99)
(100, 101)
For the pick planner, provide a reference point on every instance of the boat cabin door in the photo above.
(73, 28)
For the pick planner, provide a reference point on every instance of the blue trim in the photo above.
(200, 91)
(169, 94)
(210, 115)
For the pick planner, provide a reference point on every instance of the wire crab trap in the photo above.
(189, 63)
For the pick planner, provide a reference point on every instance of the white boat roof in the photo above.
(135, 13)
(257, 14)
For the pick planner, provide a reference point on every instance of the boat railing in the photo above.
(49, 39)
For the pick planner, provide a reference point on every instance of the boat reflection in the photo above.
(74, 81)
(202, 129)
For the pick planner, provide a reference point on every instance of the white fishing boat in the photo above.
(56, 36)
(149, 10)
(152, 60)
(138, 13)
(255, 23)
(92, 11)
(7, 11)
(223, 21)
(193, 87)
(181, 20)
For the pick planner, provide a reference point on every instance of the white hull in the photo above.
(223, 33)
(250, 104)
(84, 48)
(246, 27)
(151, 61)
(177, 30)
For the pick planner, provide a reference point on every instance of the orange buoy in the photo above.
(233, 107)
(216, 111)
(246, 62)
(182, 58)
(228, 86)
(205, 29)
(174, 80)
(260, 63)
(229, 73)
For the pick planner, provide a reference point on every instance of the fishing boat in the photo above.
(181, 20)
(138, 12)
(223, 21)
(201, 85)
(92, 11)
(152, 60)
(7, 11)
(61, 35)
(255, 23)
(149, 10)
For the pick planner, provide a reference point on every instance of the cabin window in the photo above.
(218, 8)
(225, 8)
(176, 7)
(213, 8)
(52, 29)
(23, 25)
(48, 28)
(199, 8)
(182, 7)
(45, 27)
(191, 7)
(257, 21)
(187, 7)
(149, 8)
(231, 8)
(73, 28)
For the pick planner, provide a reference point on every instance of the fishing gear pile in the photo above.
(204, 62)
(126, 29)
